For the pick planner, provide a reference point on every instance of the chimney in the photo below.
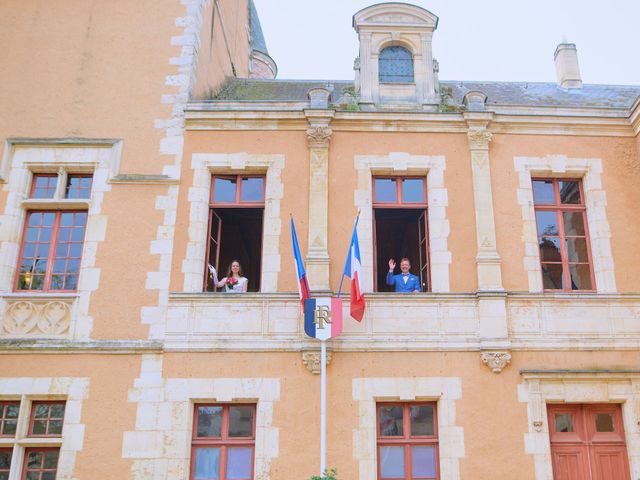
(567, 68)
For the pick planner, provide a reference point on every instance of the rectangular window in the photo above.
(407, 440)
(587, 441)
(78, 186)
(563, 239)
(400, 227)
(236, 212)
(44, 186)
(33, 434)
(223, 442)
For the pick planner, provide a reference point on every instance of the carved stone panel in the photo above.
(41, 318)
(496, 361)
(312, 361)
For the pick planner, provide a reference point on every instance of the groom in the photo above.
(405, 282)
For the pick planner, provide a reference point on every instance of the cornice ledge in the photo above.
(139, 178)
(21, 345)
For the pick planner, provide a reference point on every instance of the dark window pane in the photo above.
(604, 422)
(240, 421)
(392, 462)
(564, 422)
(552, 276)
(209, 421)
(42, 410)
(543, 192)
(239, 462)
(48, 476)
(423, 462)
(550, 249)
(577, 250)
(569, 192)
(422, 420)
(413, 190)
(4, 475)
(573, 224)
(34, 460)
(33, 476)
(51, 459)
(9, 427)
(39, 427)
(547, 223)
(395, 65)
(12, 411)
(580, 276)
(385, 190)
(391, 421)
(224, 190)
(5, 459)
(55, 427)
(207, 464)
(252, 189)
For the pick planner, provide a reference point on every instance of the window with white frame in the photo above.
(30, 438)
(54, 230)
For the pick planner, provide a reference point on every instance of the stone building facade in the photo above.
(144, 141)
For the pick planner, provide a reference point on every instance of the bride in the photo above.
(234, 282)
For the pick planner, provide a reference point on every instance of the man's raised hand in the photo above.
(392, 264)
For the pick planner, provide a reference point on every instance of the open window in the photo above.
(400, 227)
(236, 212)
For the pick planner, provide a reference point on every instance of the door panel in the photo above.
(424, 251)
(609, 463)
(570, 462)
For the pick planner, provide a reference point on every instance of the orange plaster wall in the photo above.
(124, 258)
(106, 413)
(457, 177)
(214, 60)
(89, 69)
(621, 168)
(295, 176)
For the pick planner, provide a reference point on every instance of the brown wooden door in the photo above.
(587, 442)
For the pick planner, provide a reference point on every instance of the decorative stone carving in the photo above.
(496, 361)
(319, 136)
(39, 318)
(311, 360)
(479, 139)
(537, 425)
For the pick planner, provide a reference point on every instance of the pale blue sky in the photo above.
(509, 40)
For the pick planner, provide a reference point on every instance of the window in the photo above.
(223, 442)
(236, 211)
(400, 227)
(587, 441)
(563, 238)
(38, 419)
(53, 238)
(395, 65)
(407, 441)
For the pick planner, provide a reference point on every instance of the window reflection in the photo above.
(385, 190)
(413, 190)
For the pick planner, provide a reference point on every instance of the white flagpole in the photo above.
(323, 408)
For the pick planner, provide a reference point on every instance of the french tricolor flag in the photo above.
(353, 270)
(303, 285)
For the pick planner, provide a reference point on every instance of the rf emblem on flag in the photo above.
(323, 317)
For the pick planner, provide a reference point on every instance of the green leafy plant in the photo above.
(329, 474)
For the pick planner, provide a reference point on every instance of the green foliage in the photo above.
(446, 97)
(329, 474)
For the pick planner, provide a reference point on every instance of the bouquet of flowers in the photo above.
(231, 282)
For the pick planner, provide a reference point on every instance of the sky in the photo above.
(488, 40)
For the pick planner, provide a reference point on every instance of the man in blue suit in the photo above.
(405, 282)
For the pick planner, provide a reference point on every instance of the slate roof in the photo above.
(498, 93)
(257, 37)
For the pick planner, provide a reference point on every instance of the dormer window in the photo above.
(395, 65)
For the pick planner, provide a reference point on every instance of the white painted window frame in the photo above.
(398, 164)
(559, 166)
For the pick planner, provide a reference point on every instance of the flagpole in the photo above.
(323, 407)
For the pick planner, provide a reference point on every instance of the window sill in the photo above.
(40, 442)
(36, 295)
(56, 204)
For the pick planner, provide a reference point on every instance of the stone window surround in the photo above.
(540, 388)
(206, 164)
(558, 166)
(73, 390)
(401, 163)
(21, 159)
(444, 390)
(162, 440)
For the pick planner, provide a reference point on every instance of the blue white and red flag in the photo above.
(301, 276)
(323, 317)
(353, 270)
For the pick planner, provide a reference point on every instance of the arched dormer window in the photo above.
(395, 65)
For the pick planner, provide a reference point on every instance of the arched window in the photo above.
(395, 65)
